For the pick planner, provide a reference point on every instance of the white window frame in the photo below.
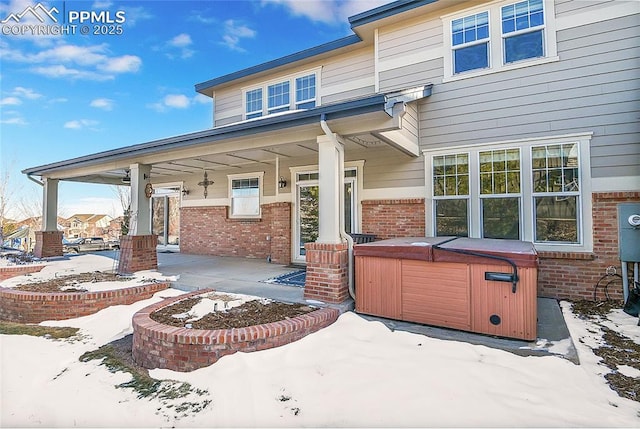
(496, 41)
(256, 175)
(585, 220)
(292, 105)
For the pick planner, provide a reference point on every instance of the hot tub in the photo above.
(478, 285)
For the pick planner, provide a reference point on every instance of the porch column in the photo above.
(327, 258)
(138, 248)
(49, 239)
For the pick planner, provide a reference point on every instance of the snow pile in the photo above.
(87, 263)
(352, 373)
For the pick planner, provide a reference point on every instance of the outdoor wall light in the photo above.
(185, 191)
(126, 178)
(282, 183)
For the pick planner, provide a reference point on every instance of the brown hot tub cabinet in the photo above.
(478, 285)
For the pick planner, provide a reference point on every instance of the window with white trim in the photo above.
(527, 190)
(253, 102)
(500, 36)
(291, 93)
(245, 192)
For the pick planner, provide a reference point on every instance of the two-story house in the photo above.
(513, 119)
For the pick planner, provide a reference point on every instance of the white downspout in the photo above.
(343, 232)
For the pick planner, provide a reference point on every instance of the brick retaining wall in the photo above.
(18, 270)
(180, 349)
(35, 307)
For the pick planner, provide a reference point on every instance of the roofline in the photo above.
(240, 129)
(386, 11)
(307, 53)
(363, 18)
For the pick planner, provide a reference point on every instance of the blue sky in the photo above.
(63, 96)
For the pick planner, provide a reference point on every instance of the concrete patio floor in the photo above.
(248, 276)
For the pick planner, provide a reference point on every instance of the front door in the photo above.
(306, 216)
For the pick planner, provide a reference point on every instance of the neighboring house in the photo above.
(23, 236)
(89, 225)
(502, 119)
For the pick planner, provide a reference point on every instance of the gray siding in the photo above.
(348, 76)
(225, 102)
(396, 43)
(594, 87)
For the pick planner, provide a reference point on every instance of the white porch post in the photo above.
(50, 205)
(140, 203)
(330, 167)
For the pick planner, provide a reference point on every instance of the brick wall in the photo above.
(137, 253)
(209, 231)
(575, 275)
(35, 307)
(18, 270)
(327, 272)
(180, 349)
(393, 218)
(48, 244)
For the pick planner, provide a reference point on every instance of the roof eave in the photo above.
(240, 129)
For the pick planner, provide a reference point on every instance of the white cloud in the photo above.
(17, 120)
(91, 62)
(123, 64)
(326, 11)
(28, 93)
(80, 124)
(182, 42)
(102, 103)
(105, 4)
(10, 101)
(178, 101)
(234, 32)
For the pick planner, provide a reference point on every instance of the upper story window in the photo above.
(470, 41)
(254, 103)
(501, 36)
(292, 93)
(522, 30)
(278, 100)
(306, 92)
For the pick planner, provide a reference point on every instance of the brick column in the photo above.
(137, 253)
(327, 272)
(48, 244)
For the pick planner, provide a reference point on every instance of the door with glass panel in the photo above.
(165, 217)
(307, 210)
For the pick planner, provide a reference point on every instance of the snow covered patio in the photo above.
(334, 377)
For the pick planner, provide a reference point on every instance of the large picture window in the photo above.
(524, 190)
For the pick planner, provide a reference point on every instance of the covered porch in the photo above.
(209, 178)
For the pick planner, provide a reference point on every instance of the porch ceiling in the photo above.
(363, 123)
(228, 161)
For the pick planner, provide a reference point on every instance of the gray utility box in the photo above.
(629, 231)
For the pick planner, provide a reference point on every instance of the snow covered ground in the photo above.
(353, 373)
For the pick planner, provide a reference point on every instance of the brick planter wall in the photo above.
(48, 244)
(35, 307)
(161, 346)
(393, 218)
(18, 270)
(209, 231)
(137, 253)
(327, 272)
(574, 275)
